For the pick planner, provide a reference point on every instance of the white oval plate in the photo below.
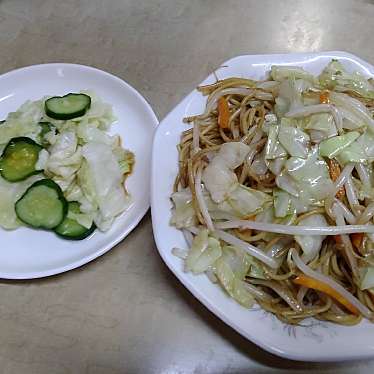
(27, 253)
(315, 341)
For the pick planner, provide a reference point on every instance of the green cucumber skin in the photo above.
(12, 142)
(60, 229)
(77, 237)
(51, 184)
(66, 116)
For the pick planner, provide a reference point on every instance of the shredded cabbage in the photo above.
(294, 140)
(311, 245)
(203, 254)
(281, 73)
(230, 270)
(103, 179)
(219, 177)
(336, 77)
(333, 146)
(79, 155)
(183, 214)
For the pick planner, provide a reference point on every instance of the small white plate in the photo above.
(316, 341)
(26, 253)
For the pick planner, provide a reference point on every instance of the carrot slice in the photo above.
(338, 239)
(324, 97)
(334, 170)
(223, 113)
(303, 280)
(357, 239)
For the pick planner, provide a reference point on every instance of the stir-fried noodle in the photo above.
(275, 193)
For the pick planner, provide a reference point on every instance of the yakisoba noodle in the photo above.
(275, 193)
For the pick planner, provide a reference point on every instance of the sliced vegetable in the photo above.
(219, 177)
(334, 171)
(280, 73)
(333, 146)
(183, 214)
(23, 122)
(323, 122)
(246, 201)
(42, 205)
(273, 148)
(101, 180)
(282, 203)
(294, 140)
(357, 239)
(311, 245)
(9, 194)
(46, 127)
(231, 269)
(335, 76)
(67, 107)
(19, 159)
(311, 176)
(324, 97)
(199, 245)
(223, 113)
(305, 281)
(69, 228)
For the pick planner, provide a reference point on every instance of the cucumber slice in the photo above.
(42, 205)
(19, 159)
(70, 228)
(67, 107)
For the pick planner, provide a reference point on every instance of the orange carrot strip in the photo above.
(324, 97)
(303, 280)
(223, 113)
(338, 239)
(334, 170)
(357, 239)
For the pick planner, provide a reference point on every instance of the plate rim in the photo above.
(198, 294)
(142, 212)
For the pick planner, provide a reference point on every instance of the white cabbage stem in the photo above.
(319, 108)
(295, 230)
(188, 236)
(201, 202)
(180, 253)
(252, 250)
(212, 277)
(327, 280)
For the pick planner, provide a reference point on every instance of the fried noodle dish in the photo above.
(275, 193)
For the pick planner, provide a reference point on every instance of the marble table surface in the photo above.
(125, 312)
